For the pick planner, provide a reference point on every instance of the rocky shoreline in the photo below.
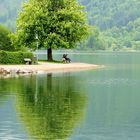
(16, 71)
(41, 68)
(7, 73)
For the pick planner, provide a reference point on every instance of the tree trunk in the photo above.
(49, 54)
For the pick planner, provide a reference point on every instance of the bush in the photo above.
(14, 57)
(5, 42)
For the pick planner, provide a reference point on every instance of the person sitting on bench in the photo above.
(65, 59)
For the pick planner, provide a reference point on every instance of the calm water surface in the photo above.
(101, 104)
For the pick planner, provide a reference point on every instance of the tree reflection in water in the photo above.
(50, 107)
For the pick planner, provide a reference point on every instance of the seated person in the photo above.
(66, 59)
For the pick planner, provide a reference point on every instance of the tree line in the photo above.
(117, 22)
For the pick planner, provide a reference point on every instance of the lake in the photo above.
(101, 104)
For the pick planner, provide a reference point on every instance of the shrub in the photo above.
(5, 42)
(14, 57)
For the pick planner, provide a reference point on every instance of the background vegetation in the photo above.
(9, 11)
(5, 42)
(117, 22)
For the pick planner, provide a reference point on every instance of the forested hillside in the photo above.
(109, 13)
(8, 12)
(117, 21)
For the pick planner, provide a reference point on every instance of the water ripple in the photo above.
(116, 81)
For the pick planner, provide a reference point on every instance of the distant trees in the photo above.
(8, 12)
(127, 37)
(117, 20)
(109, 13)
(58, 24)
(5, 43)
(94, 42)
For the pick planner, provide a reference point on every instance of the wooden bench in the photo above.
(28, 61)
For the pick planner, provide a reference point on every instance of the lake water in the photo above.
(102, 104)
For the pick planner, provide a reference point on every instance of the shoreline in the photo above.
(45, 67)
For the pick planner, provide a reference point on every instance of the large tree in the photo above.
(58, 24)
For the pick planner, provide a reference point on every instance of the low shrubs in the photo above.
(5, 42)
(14, 57)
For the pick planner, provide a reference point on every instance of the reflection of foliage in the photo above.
(2, 94)
(50, 108)
(5, 88)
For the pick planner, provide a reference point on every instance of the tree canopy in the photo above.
(58, 24)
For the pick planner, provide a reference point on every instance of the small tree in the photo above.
(5, 43)
(58, 23)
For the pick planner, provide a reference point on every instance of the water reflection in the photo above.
(50, 107)
(4, 92)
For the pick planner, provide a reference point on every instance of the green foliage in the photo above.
(117, 20)
(5, 43)
(124, 37)
(14, 57)
(111, 13)
(95, 41)
(59, 24)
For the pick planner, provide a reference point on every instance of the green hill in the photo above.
(118, 21)
(8, 12)
(109, 13)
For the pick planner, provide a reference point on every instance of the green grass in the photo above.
(54, 61)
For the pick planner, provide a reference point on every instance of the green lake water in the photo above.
(101, 104)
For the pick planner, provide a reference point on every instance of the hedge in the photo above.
(14, 57)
